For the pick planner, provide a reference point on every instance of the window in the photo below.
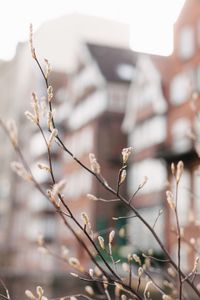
(150, 132)
(41, 176)
(38, 202)
(4, 188)
(62, 95)
(76, 180)
(181, 87)
(186, 43)
(126, 72)
(117, 95)
(136, 229)
(88, 110)
(154, 169)
(180, 141)
(196, 195)
(184, 197)
(197, 79)
(145, 94)
(197, 129)
(77, 141)
(184, 255)
(45, 226)
(84, 80)
(37, 145)
(198, 33)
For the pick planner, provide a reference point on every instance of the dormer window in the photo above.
(126, 72)
(186, 43)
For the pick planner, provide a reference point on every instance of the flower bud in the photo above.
(180, 168)
(126, 152)
(52, 137)
(101, 242)
(111, 236)
(95, 166)
(89, 290)
(122, 177)
(30, 295)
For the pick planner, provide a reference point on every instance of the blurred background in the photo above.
(123, 73)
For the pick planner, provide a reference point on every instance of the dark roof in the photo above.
(110, 59)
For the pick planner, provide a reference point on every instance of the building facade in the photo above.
(183, 127)
(99, 90)
(163, 128)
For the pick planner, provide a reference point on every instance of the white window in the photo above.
(180, 141)
(80, 179)
(83, 80)
(85, 141)
(197, 128)
(196, 181)
(37, 145)
(184, 198)
(41, 175)
(38, 202)
(88, 110)
(197, 78)
(186, 45)
(139, 236)
(45, 226)
(81, 142)
(180, 88)
(198, 33)
(117, 95)
(184, 255)
(126, 72)
(154, 169)
(4, 187)
(150, 132)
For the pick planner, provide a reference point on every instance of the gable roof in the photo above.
(111, 59)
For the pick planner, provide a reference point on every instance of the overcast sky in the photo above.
(149, 19)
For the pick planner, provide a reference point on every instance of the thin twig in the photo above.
(107, 294)
(155, 258)
(6, 290)
(178, 241)
(154, 283)
(158, 216)
(124, 217)
(130, 274)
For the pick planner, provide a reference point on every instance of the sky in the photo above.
(148, 19)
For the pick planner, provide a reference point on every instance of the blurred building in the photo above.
(159, 121)
(24, 213)
(90, 107)
(99, 90)
(181, 81)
